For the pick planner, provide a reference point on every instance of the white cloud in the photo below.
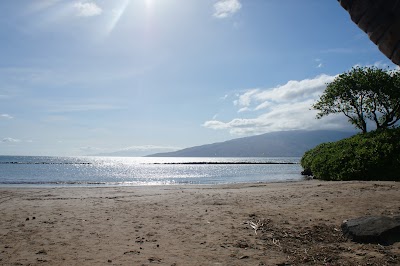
(381, 64)
(292, 91)
(319, 63)
(284, 107)
(6, 116)
(263, 105)
(226, 8)
(10, 140)
(246, 98)
(224, 97)
(244, 109)
(87, 9)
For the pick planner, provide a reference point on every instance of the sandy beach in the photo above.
(298, 224)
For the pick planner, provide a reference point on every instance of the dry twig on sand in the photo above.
(256, 225)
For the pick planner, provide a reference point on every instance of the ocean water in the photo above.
(138, 171)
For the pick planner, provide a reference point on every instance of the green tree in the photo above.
(361, 94)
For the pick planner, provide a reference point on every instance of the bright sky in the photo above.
(83, 77)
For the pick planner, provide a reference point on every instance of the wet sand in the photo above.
(298, 224)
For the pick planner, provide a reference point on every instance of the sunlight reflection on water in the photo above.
(112, 171)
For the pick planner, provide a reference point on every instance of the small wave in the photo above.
(90, 183)
(227, 163)
(52, 183)
(61, 163)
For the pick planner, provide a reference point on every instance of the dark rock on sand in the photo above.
(373, 229)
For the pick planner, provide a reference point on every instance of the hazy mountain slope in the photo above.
(276, 144)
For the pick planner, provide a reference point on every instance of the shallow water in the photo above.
(134, 171)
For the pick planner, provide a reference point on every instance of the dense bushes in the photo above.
(370, 156)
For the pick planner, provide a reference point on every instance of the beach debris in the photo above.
(276, 242)
(255, 225)
(373, 229)
(318, 244)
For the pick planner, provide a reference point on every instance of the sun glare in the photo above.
(149, 3)
(117, 14)
(135, 10)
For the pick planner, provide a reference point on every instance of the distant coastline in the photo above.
(292, 143)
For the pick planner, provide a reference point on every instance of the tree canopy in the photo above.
(374, 155)
(361, 94)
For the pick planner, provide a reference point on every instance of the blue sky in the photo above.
(83, 77)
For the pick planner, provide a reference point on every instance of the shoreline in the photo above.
(143, 184)
(299, 224)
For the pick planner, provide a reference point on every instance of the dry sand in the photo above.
(194, 225)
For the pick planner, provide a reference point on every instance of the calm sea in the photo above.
(137, 171)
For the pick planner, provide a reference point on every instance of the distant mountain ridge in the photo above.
(275, 144)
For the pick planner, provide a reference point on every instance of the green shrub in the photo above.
(370, 156)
